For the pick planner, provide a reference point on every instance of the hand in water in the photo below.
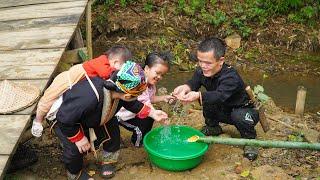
(180, 91)
(158, 115)
(191, 96)
(166, 122)
(169, 98)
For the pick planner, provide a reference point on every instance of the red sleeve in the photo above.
(77, 137)
(144, 112)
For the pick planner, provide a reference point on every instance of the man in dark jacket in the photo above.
(225, 99)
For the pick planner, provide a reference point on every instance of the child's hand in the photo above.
(37, 128)
(168, 99)
(158, 115)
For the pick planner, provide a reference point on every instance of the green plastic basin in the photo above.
(168, 148)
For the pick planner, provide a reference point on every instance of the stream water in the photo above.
(281, 88)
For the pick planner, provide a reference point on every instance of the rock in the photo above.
(233, 41)
(267, 172)
(287, 120)
(311, 135)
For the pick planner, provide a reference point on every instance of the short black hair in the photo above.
(119, 50)
(218, 46)
(154, 58)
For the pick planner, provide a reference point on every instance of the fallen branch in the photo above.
(281, 122)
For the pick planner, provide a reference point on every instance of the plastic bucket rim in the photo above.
(153, 152)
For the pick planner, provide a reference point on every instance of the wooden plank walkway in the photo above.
(33, 35)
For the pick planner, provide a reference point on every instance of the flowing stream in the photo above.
(281, 88)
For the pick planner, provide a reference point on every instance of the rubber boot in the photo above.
(211, 131)
(250, 152)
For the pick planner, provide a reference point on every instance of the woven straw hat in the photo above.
(16, 96)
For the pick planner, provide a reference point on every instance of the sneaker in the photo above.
(250, 152)
(211, 131)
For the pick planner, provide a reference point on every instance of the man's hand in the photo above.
(37, 128)
(83, 145)
(181, 91)
(158, 115)
(191, 96)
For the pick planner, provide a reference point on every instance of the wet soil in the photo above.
(220, 161)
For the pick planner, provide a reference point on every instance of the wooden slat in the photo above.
(3, 163)
(43, 10)
(31, 57)
(26, 72)
(39, 22)
(53, 37)
(13, 3)
(41, 84)
(11, 128)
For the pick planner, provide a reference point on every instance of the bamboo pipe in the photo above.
(258, 143)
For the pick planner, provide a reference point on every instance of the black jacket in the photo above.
(81, 106)
(224, 88)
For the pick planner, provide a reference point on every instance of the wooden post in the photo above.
(88, 29)
(300, 102)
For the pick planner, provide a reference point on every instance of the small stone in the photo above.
(238, 169)
(286, 119)
(233, 41)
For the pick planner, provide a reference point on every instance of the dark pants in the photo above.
(73, 159)
(139, 127)
(243, 118)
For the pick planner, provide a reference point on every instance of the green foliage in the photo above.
(242, 14)
(240, 25)
(259, 92)
(148, 6)
(162, 41)
(190, 8)
(178, 50)
(296, 137)
(216, 19)
(84, 56)
(181, 5)
(109, 2)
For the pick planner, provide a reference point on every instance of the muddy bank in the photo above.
(276, 48)
(220, 162)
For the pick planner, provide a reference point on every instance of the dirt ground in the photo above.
(220, 161)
